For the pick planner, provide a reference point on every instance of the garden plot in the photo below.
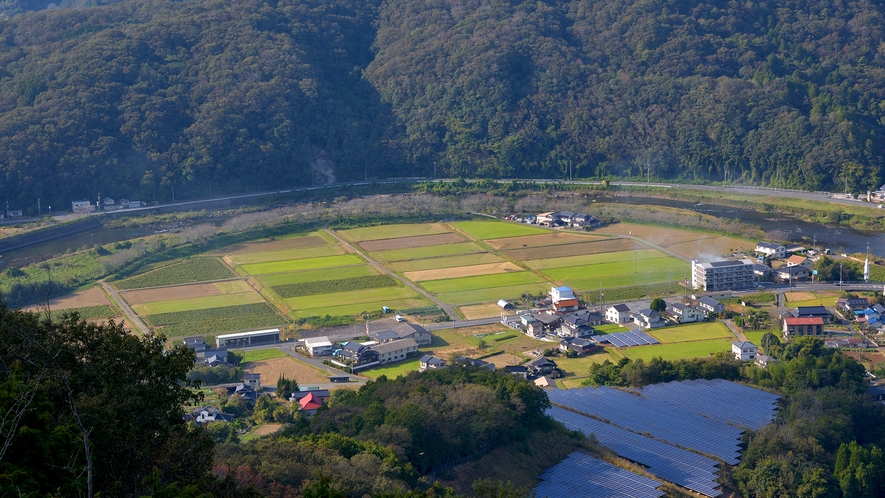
(184, 272)
(593, 259)
(267, 245)
(301, 264)
(304, 253)
(480, 311)
(173, 293)
(486, 230)
(197, 303)
(291, 368)
(446, 262)
(462, 271)
(691, 332)
(409, 242)
(574, 249)
(547, 239)
(428, 252)
(393, 231)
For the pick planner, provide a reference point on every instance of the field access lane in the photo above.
(134, 320)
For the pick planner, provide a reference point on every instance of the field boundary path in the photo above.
(134, 320)
(735, 330)
(378, 266)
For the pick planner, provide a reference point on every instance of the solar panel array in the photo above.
(715, 399)
(679, 466)
(582, 475)
(664, 422)
(631, 338)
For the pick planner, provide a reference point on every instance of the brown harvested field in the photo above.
(89, 297)
(686, 243)
(578, 249)
(266, 429)
(547, 239)
(799, 296)
(409, 242)
(461, 271)
(504, 359)
(711, 244)
(170, 293)
(271, 370)
(480, 311)
(274, 245)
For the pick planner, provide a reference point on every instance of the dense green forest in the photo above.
(135, 99)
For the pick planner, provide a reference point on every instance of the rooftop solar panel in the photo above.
(582, 475)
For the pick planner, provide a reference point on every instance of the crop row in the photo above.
(191, 270)
(212, 321)
(87, 312)
(337, 285)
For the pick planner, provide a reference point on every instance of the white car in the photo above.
(399, 318)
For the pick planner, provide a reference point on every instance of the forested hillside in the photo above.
(135, 98)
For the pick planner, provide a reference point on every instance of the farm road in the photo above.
(130, 315)
(443, 306)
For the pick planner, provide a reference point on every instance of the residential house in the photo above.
(318, 346)
(685, 313)
(246, 392)
(853, 303)
(764, 360)
(396, 350)
(578, 324)
(320, 394)
(793, 272)
(213, 357)
(566, 305)
(417, 333)
(877, 392)
(518, 370)
(762, 271)
(532, 326)
(542, 366)
(803, 326)
(310, 403)
(545, 381)
(743, 351)
(549, 219)
(797, 260)
(813, 312)
(711, 305)
(430, 362)
(358, 354)
(578, 345)
(550, 322)
(774, 251)
(253, 380)
(470, 362)
(208, 414)
(81, 206)
(196, 343)
(648, 319)
(619, 313)
(849, 342)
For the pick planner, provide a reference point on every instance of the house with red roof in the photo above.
(803, 326)
(310, 403)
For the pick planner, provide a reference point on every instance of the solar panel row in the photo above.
(631, 338)
(582, 475)
(662, 421)
(687, 469)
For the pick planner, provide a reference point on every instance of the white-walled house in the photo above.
(743, 351)
(619, 313)
(687, 314)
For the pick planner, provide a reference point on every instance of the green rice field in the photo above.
(197, 303)
(487, 230)
(187, 271)
(696, 349)
(593, 283)
(491, 294)
(619, 268)
(691, 332)
(303, 253)
(317, 275)
(392, 231)
(263, 354)
(301, 264)
(358, 308)
(428, 251)
(445, 262)
(594, 259)
(213, 321)
(352, 297)
(482, 281)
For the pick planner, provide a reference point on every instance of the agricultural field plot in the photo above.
(197, 303)
(619, 268)
(428, 252)
(594, 259)
(482, 282)
(271, 369)
(301, 264)
(334, 286)
(445, 262)
(591, 283)
(409, 242)
(267, 257)
(816, 299)
(687, 243)
(580, 367)
(317, 275)
(280, 244)
(676, 351)
(352, 297)
(416, 301)
(480, 311)
(710, 245)
(262, 354)
(212, 321)
(462, 271)
(487, 230)
(692, 332)
(575, 249)
(177, 292)
(799, 296)
(547, 239)
(93, 296)
(393, 231)
(191, 270)
(492, 294)
(101, 312)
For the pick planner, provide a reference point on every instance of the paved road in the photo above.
(443, 306)
(134, 320)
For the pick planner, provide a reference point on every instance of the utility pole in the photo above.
(173, 194)
(98, 204)
(40, 213)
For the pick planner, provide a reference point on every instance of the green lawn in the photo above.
(580, 366)
(619, 268)
(302, 264)
(446, 262)
(358, 308)
(692, 332)
(610, 328)
(428, 251)
(197, 303)
(697, 349)
(492, 294)
(755, 336)
(263, 354)
(593, 283)
(317, 275)
(393, 371)
(392, 231)
(593, 259)
(482, 281)
(304, 253)
(350, 297)
(486, 230)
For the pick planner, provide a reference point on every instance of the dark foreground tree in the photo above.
(90, 409)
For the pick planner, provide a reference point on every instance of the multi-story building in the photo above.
(722, 275)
